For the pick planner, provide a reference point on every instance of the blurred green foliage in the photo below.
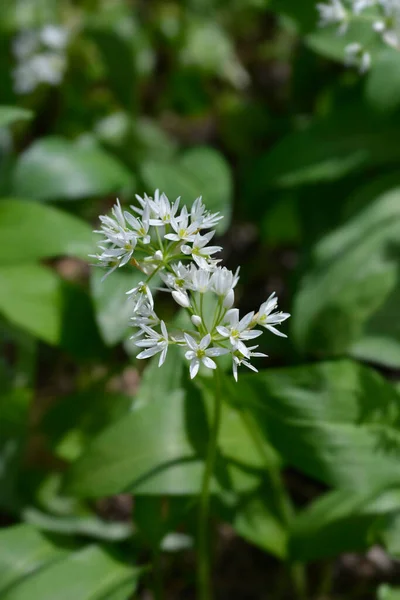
(246, 103)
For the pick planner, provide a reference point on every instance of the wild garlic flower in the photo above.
(163, 240)
(40, 57)
(383, 16)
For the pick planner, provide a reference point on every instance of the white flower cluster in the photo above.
(40, 56)
(158, 237)
(382, 15)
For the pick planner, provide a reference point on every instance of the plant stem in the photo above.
(203, 558)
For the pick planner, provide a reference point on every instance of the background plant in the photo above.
(101, 457)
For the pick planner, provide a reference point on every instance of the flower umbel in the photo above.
(163, 241)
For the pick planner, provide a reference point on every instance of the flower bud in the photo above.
(181, 298)
(196, 320)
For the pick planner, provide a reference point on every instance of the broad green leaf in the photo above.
(386, 592)
(85, 525)
(349, 140)
(349, 298)
(54, 168)
(343, 521)
(383, 83)
(31, 297)
(30, 231)
(160, 447)
(90, 574)
(258, 518)
(77, 418)
(197, 172)
(208, 47)
(113, 308)
(23, 551)
(337, 422)
(11, 114)
(34, 298)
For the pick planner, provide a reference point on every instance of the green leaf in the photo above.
(54, 168)
(349, 140)
(258, 519)
(24, 550)
(78, 417)
(340, 521)
(31, 231)
(112, 306)
(199, 171)
(159, 448)
(342, 421)
(34, 298)
(349, 299)
(11, 114)
(383, 83)
(387, 592)
(90, 573)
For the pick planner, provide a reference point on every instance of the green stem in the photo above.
(203, 558)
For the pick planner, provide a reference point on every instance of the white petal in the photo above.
(163, 356)
(190, 342)
(208, 362)
(194, 368)
(229, 299)
(190, 354)
(276, 331)
(250, 335)
(149, 352)
(223, 331)
(205, 342)
(245, 322)
(164, 330)
(217, 351)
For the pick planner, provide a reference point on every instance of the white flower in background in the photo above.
(201, 353)
(357, 56)
(40, 56)
(389, 26)
(154, 343)
(332, 13)
(383, 16)
(161, 241)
